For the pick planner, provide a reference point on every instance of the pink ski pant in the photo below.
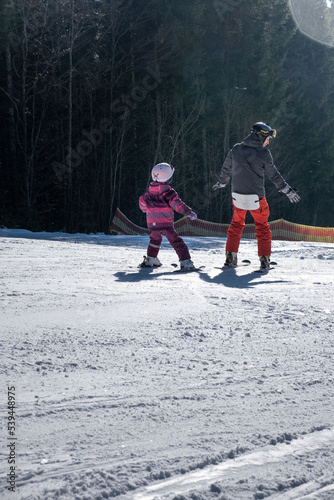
(174, 239)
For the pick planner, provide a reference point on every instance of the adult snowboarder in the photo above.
(159, 202)
(247, 163)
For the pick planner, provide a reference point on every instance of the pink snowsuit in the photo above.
(159, 202)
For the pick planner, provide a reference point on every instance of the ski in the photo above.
(264, 270)
(181, 270)
(148, 267)
(152, 268)
(189, 270)
(233, 266)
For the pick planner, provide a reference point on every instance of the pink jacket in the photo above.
(159, 202)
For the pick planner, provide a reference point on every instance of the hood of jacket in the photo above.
(253, 141)
(158, 188)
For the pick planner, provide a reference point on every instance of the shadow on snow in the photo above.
(228, 278)
(231, 279)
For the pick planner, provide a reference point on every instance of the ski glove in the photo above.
(192, 216)
(291, 194)
(218, 185)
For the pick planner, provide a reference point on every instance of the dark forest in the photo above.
(93, 93)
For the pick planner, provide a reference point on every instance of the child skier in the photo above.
(159, 202)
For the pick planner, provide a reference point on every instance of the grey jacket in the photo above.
(247, 163)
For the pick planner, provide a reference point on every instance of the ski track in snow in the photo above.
(149, 384)
(223, 472)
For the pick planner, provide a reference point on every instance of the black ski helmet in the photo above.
(263, 130)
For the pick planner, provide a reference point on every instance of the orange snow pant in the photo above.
(263, 233)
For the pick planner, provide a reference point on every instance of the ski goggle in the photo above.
(263, 129)
(270, 133)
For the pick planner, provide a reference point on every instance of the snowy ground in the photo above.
(155, 385)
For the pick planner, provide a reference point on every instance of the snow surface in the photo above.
(148, 384)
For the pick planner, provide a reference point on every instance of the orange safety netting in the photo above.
(281, 229)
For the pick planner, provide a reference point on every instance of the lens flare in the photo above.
(315, 19)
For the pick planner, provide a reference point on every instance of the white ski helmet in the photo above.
(162, 172)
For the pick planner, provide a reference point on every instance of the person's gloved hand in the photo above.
(218, 185)
(291, 193)
(192, 216)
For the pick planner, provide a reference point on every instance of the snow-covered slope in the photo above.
(147, 384)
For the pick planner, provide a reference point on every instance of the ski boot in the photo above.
(265, 261)
(186, 265)
(231, 259)
(150, 262)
